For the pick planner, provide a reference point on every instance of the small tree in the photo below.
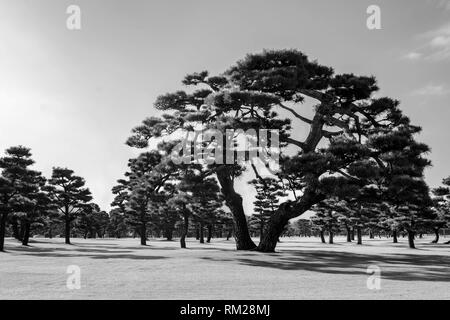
(441, 205)
(268, 194)
(117, 226)
(326, 218)
(70, 196)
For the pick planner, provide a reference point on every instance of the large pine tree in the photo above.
(267, 91)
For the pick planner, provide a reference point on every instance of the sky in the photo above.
(73, 96)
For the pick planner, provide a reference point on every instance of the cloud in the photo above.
(435, 45)
(432, 90)
(413, 56)
(443, 4)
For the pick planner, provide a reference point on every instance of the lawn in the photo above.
(302, 268)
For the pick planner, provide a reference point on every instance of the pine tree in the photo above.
(117, 227)
(268, 194)
(326, 218)
(250, 94)
(34, 205)
(70, 195)
(441, 205)
(14, 181)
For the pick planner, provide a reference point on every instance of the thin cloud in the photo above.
(432, 90)
(444, 4)
(413, 56)
(435, 47)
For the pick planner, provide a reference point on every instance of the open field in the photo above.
(302, 269)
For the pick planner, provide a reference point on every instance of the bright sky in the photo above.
(73, 96)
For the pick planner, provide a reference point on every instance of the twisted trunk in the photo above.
(234, 202)
(281, 217)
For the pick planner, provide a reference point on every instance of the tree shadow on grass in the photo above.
(404, 267)
(75, 251)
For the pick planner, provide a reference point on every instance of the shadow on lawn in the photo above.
(73, 251)
(403, 267)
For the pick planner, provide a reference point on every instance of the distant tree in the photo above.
(441, 205)
(267, 199)
(70, 196)
(206, 205)
(326, 218)
(117, 227)
(180, 203)
(139, 195)
(304, 228)
(14, 181)
(92, 221)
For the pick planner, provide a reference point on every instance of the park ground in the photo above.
(302, 268)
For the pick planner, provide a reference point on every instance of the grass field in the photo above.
(302, 269)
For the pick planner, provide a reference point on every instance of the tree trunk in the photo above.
(143, 234)
(234, 202)
(330, 237)
(394, 236)
(15, 228)
(280, 218)
(202, 236)
(274, 229)
(209, 233)
(26, 233)
(436, 232)
(359, 235)
(3, 231)
(353, 234)
(322, 237)
(349, 235)
(50, 233)
(411, 235)
(168, 234)
(67, 231)
(184, 232)
(261, 231)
